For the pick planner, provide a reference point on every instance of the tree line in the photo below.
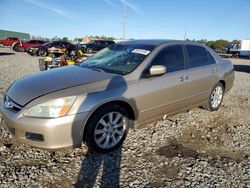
(215, 44)
(218, 44)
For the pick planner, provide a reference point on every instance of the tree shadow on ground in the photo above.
(6, 53)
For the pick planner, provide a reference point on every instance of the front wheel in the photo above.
(215, 97)
(42, 52)
(107, 129)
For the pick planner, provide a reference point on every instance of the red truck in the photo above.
(8, 41)
(22, 46)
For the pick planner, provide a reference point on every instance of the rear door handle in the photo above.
(214, 70)
(182, 79)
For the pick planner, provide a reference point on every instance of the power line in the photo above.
(124, 21)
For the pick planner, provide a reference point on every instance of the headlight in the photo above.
(51, 109)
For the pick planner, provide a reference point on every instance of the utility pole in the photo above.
(124, 21)
(185, 35)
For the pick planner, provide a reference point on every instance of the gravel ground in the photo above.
(194, 149)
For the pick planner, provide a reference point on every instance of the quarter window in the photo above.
(211, 58)
(198, 56)
(171, 57)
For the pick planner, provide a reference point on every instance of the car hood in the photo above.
(28, 88)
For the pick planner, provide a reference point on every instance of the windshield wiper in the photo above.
(96, 69)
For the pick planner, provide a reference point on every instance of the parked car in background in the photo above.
(59, 48)
(23, 46)
(8, 41)
(125, 85)
(96, 45)
(54, 48)
(39, 50)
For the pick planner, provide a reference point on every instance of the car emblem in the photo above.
(8, 103)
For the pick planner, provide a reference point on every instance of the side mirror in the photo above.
(157, 70)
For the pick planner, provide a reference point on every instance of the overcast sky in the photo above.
(168, 19)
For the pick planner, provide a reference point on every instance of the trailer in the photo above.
(244, 50)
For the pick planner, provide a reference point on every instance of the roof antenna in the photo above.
(185, 35)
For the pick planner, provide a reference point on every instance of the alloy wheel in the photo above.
(216, 96)
(110, 130)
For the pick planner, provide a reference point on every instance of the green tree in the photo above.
(237, 42)
(65, 39)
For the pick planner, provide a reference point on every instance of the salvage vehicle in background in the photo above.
(125, 85)
(23, 46)
(8, 41)
(51, 63)
(54, 49)
(59, 48)
(96, 45)
(39, 50)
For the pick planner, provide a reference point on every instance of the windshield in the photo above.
(90, 42)
(118, 58)
(47, 44)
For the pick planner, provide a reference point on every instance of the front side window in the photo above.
(118, 58)
(170, 57)
(198, 56)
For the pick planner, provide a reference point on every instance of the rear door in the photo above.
(202, 70)
(167, 93)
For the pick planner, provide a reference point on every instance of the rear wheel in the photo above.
(215, 98)
(107, 129)
(15, 47)
(89, 51)
(21, 49)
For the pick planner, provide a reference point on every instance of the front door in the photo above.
(167, 93)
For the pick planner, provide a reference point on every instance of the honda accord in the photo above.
(123, 86)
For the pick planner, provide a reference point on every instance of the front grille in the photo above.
(11, 105)
(34, 137)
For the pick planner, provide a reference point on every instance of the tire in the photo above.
(15, 48)
(42, 65)
(89, 51)
(215, 98)
(100, 135)
(42, 52)
(21, 49)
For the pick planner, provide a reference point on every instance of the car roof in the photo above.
(157, 42)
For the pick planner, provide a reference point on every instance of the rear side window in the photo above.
(198, 56)
(110, 42)
(171, 57)
(102, 42)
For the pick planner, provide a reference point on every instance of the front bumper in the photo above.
(46, 133)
